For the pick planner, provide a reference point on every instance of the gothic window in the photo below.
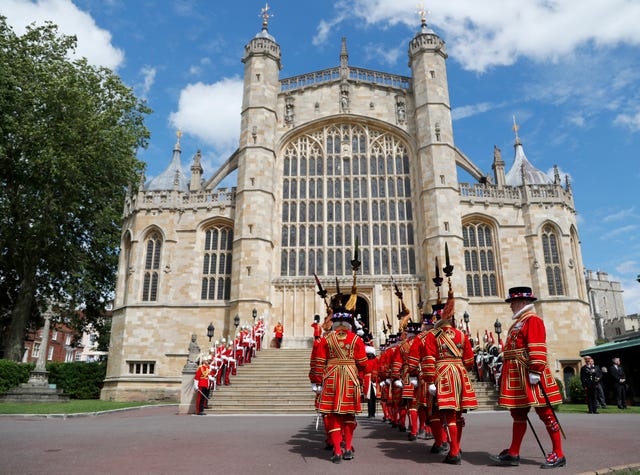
(479, 260)
(216, 269)
(153, 249)
(377, 166)
(551, 251)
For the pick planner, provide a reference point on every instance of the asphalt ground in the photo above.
(156, 440)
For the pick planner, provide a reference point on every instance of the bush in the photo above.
(576, 392)
(13, 374)
(561, 387)
(79, 380)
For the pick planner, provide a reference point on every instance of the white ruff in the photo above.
(524, 309)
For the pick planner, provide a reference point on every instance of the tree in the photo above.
(69, 133)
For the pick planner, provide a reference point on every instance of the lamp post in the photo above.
(254, 314)
(465, 317)
(236, 321)
(210, 331)
(497, 326)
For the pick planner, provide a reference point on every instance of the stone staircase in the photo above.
(277, 382)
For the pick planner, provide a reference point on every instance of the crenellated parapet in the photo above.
(515, 195)
(173, 200)
(355, 75)
(262, 46)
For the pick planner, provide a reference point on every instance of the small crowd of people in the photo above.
(221, 362)
(421, 377)
(591, 377)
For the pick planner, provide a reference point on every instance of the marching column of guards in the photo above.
(221, 363)
(421, 375)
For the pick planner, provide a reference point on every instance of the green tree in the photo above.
(69, 133)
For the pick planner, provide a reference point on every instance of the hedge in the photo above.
(79, 380)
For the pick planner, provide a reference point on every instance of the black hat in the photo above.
(524, 293)
(413, 327)
(437, 311)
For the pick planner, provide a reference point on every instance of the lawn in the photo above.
(74, 406)
(611, 409)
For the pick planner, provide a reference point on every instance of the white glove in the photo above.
(319, 389)
(314, 387)
(388, 381)
(534, 378)
(382, 384)
(414, 382)
(195, 385)
(432, 389)
(397, 383)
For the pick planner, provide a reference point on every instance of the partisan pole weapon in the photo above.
(544, 454)
(546, 398)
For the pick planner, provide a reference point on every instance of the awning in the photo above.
(614, 346)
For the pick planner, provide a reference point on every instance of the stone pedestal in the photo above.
(187, 394)
(35, 391)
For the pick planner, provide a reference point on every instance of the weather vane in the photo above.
(423, 14)
(515, 128)
(264, 13)
(179, 135)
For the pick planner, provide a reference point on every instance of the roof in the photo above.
(173, 178)
(613, 346)
(521, 166)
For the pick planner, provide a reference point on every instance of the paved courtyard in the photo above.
(158, 441)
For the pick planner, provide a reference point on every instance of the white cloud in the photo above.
(627, 267)
(631, 121)
(384, 53)
(620, 215)
(94, 43)
(211, 112)
(618, 231)
(631, 295)
(471, 110)
(490, 33)
(148, 77)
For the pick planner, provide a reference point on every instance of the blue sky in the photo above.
(569, 70)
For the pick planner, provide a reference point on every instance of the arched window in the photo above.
(479, 260)
(153, 249)
(361, 162)
(551, 251)
(216, 269)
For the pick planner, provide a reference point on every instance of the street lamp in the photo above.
(236, 321)
(254, 314)
(498, 328)
(210, 331)
(465, 317)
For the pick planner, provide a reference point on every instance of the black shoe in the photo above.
(505, 458)
(402, 429)
(347, 455)
(328, 446)
(554, 461)
(394, 425)
(336, 458)
(428, 436)
(439, 449)
(412, 437)
(453, 459)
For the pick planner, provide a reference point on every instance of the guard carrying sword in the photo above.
(527, 380)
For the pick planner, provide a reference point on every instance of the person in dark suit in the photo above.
(590, 375)
(619, 382)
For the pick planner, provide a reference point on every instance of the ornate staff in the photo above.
(404, 315)
(322, 292)
(355, 265)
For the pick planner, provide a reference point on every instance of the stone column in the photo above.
(39, 376)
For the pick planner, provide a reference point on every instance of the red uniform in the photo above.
(448, 354)
(278, 333)
(202, 380)
(338, 359)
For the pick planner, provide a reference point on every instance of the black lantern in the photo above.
(236, 321)
(498, 328)
(254, 314)
(210, 331)
(465, 317)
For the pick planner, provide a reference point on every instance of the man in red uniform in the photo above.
(370, 380)
(201, 382)
(278, 333)
(525, 375)
(339, 357)
(317, 328)
(448, 355)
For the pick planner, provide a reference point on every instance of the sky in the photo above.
(568, 70)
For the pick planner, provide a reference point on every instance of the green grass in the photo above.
(611, 409)
(74, 406)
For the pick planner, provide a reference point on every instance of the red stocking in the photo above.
(519, 428)
(349, 428)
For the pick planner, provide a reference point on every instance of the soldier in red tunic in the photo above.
(448, 355)
(201, 382)
(525, 374)
(339, 358)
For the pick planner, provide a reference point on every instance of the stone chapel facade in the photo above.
(326, 159)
